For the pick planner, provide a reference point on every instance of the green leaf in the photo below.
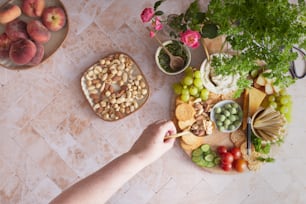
(209, 31)
(157, 4)
(265, 159)
(158, 13)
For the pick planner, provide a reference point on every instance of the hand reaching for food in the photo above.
(151, 144)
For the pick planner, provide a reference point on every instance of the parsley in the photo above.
(266, 159)
(260, 30)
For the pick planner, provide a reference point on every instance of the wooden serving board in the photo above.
(216, 139)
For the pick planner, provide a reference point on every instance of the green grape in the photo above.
(282, 92)
(273, 105)
(185, 97)
(203, 97)
(204, 93)
(271, 98)
(284, 99)
(193, 91)
(288, 117)
(198, 82)
(188, 80)
(177, 87)
(197, 74)
(284, 109)
(185, 91)
(189, 72)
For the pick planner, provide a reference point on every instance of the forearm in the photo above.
(100, 186)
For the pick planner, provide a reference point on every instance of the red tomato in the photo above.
(226, 167)
(236, 152)
(240, 165)
(227, 158)
(221, 150)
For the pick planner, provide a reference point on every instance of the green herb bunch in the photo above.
(259, 30)
(193, 18)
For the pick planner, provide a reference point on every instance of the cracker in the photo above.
(238, 137)
(191, 139)
(188, 147)
(185, 124)
(254, 165)
(184, 111)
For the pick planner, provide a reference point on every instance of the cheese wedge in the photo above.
(256, 97)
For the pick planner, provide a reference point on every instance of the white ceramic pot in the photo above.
(172, 72)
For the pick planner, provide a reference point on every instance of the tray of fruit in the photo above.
(215, 122)
(31, 31)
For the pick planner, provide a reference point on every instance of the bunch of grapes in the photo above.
(191, 85)
(282, 102)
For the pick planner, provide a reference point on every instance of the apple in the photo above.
(33, 8)
(54, 18)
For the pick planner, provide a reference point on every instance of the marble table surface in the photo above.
(50, 138)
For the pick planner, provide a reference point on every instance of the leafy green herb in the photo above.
(260, 30)
(259, 147)
(266, 159)
(193, 18)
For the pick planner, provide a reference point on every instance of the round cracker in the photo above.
(238, 137)
(184, 111)
(191, 139)
(255, 165)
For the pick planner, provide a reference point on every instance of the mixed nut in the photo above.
(115, 87)
(203, 125)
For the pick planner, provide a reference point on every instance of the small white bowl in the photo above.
(221, 104)
(178, 71)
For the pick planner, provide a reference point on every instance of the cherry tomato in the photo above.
(236, 152)
(240, 165)
(227, 158)
(221, 150)
(226, 167)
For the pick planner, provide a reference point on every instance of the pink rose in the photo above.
(191, 38)
(152, 34)
(157, 25)
(147, 14)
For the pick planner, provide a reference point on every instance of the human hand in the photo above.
(151, 144)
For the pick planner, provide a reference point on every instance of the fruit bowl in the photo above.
(227, 116)
(55, 40)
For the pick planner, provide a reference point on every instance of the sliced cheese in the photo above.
(256, 97)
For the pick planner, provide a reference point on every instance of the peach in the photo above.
(54, 18)
(40, 51)
(9, 13)
(22, 51)
(38, 32)
(16, 29)
(33, 8)
(5, 44)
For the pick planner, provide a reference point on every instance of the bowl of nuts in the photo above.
(115, 87)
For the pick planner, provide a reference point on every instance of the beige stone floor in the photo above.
(50, 138)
